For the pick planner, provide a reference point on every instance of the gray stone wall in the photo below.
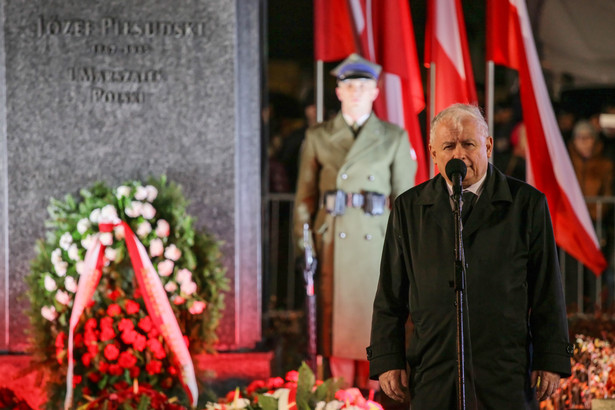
(116, 90)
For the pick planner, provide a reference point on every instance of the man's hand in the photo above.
(546, 383)
(395, 384)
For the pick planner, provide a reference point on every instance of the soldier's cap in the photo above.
(356, 66)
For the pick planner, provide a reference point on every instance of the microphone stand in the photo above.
(459, 285)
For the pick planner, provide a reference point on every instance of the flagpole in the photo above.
(489, 96)
(319, 91)
(432, 108)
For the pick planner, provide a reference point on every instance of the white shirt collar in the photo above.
(361, 120)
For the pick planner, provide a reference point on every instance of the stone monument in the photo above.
(118, 90)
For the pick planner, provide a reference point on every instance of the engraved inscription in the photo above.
(96, 75)
(117, 97)
(112, 49)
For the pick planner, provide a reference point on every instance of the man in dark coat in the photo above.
(516, 338)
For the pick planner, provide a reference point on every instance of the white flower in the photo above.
(83, 225)
(152, 193)
(165, 268)
(156, 247)
(80, 267)
(87, 242)
(188, 288)
(170, 286)
(63, 297)
(119, 232)
(95, 215)
(172, 252)
(134, 209)
(162, 228)
(141, 194)
(70, 284)
(184, 275)
(334, 405)
(56, 256)
(73, 252)
(110, 253)
(122, 190)
(320, 405)
(106, 238)
(60, 268)
(197, 307)
(148, 211)
(50, 284)
(65, 240)
(144, 229)
(108, 214)
(49, 313)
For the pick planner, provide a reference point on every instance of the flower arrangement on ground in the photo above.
(298, 391)
(117, 346)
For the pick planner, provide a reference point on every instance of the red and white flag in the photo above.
(333, 36)
(446, 46)
(386, 36)
(510, 42)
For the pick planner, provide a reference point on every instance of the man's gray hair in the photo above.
(457, 112)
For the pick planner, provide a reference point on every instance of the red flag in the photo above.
(510, 42)
(333, 38)
(386, 37)
(446, 46)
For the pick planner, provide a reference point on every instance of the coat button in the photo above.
(342, 235)
(371, 178)
(368, 237)
(344, 176)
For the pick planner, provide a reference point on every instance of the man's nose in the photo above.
(459, 152)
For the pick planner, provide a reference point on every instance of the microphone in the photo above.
(456, 171)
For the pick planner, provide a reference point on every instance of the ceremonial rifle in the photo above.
(308, 274)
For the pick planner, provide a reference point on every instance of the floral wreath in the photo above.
(115, 341)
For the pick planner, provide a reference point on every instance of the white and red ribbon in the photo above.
(155, 298)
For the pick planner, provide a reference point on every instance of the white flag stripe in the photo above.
(447, 34)
(394, 99)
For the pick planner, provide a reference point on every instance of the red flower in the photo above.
(127, 360)
(78, 341)
(172, 370)
(254, 386)
(60, 340)
(292, 376)
(156, 347)
(90, 324)
(114, 295)
(145, 324)
(106, 322)
(111, 352)
(115, 370)
(139, 343)
(275, 382)
(103, 367)
(230, 396)
(153, 333)
(125, 324)
(93, 349)
(134, 372)
(131, 307)
(95, 376)
(128, 336)
(114, 310)
(86, 359)
(153, 367)
(76, 380)
(86, 391)
(107, 333)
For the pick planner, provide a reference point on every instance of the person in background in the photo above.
(351, 168)
(516, 333)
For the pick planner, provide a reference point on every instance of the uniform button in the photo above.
(344, 176)
(368, 237)
(342, 235)
(371, 178)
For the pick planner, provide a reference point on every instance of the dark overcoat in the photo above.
(515, 306)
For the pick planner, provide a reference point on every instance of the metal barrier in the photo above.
(284, 288)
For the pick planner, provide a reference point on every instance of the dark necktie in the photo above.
(355, 129)
(468, 198)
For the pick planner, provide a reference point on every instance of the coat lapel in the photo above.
(370, 135)
(496, 190)
(437, 205)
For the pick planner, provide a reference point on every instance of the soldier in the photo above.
(351, 168)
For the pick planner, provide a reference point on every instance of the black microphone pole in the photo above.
(456, 171)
